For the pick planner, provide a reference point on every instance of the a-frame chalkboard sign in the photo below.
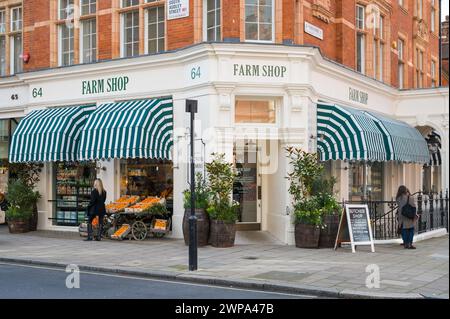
(355, 227)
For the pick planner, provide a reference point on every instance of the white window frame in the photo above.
(433, 18)
(82, 40)
(60, 53)
(358, 19)
(276, 102)
(433, 73)
(59, 10)
(89, 5)
(13, 22)
(381, 63)
(122, 34)
(258, 23)
(363, 53)
(6, 63)
(205, 21)
(146, 12)
(3, 23)
(12, 66)
(134, 5)
(401, 75)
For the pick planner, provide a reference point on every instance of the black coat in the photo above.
(96, 206)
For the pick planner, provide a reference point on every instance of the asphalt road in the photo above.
(24, 282)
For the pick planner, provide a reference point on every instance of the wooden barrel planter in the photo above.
(329, 232)
(222, 233)
(18, 226)
(202, 226)
(34, 219)
(307, 236)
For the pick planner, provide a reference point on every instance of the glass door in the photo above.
(247, 189)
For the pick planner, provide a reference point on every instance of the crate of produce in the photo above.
(144, 205)
(122, 232)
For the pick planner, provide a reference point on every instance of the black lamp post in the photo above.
(191, 107)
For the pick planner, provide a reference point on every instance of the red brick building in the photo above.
(396, 41)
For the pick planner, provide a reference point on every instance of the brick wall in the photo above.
(335, 17)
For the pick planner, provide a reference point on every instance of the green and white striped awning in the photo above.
(131, 129)
(49, 135)
(350, 134)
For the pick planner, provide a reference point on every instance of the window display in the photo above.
(73, 182)
(366, 181)
(147, 178)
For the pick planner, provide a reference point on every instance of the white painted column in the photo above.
(45, 187)
(107, 173)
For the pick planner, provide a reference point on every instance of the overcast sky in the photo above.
(444, 9)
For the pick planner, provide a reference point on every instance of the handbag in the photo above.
(409, 211)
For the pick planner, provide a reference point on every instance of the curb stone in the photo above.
(241, 283)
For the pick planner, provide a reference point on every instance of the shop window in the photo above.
(255, 112)
(366, 181)
(155, 32)
(147, 177)
(130, 34)
(7, 128)
(88, 7)
(73, 186)
(259, 16)
(88, 45)
(212, 14)
(66, 45)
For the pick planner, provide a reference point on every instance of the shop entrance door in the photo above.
(247, 187)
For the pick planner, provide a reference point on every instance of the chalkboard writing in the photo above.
(355, 227)
(359, 224)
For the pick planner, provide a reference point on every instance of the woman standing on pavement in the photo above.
(96, 208)
(407, 224)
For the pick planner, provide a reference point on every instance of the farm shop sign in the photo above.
(358, 96)
(256, 70)
(114, 84)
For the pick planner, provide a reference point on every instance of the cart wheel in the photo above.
(139, 230)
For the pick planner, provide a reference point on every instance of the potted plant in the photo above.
(22, 200)
(222, 209)
(201, 204)
(331, 210)
(29, 173)
(307, 209)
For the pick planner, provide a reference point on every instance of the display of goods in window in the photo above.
(144, 205)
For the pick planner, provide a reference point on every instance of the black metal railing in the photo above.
(432, 209)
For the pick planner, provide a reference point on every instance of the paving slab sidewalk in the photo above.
(421, 273)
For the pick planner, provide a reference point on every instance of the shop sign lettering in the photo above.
(256, 70)
(358, 96)
(115, 84)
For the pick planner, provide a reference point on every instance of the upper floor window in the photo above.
(2, 55)
(88, 7)
(2, 21)
(400, 2)
(433, 17)
(401, 63)
(212, 14)
(259, 16)
(433, 73)
(130, 3)
(16, 19)
(419, 68)
(360, 17)
(66, 45)
(66, 9)
(130, 34)
(419, 8)
(155, 32)
(88, 43)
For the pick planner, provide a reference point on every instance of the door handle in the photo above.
(259, 192)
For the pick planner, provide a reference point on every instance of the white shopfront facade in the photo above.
(291, 80)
